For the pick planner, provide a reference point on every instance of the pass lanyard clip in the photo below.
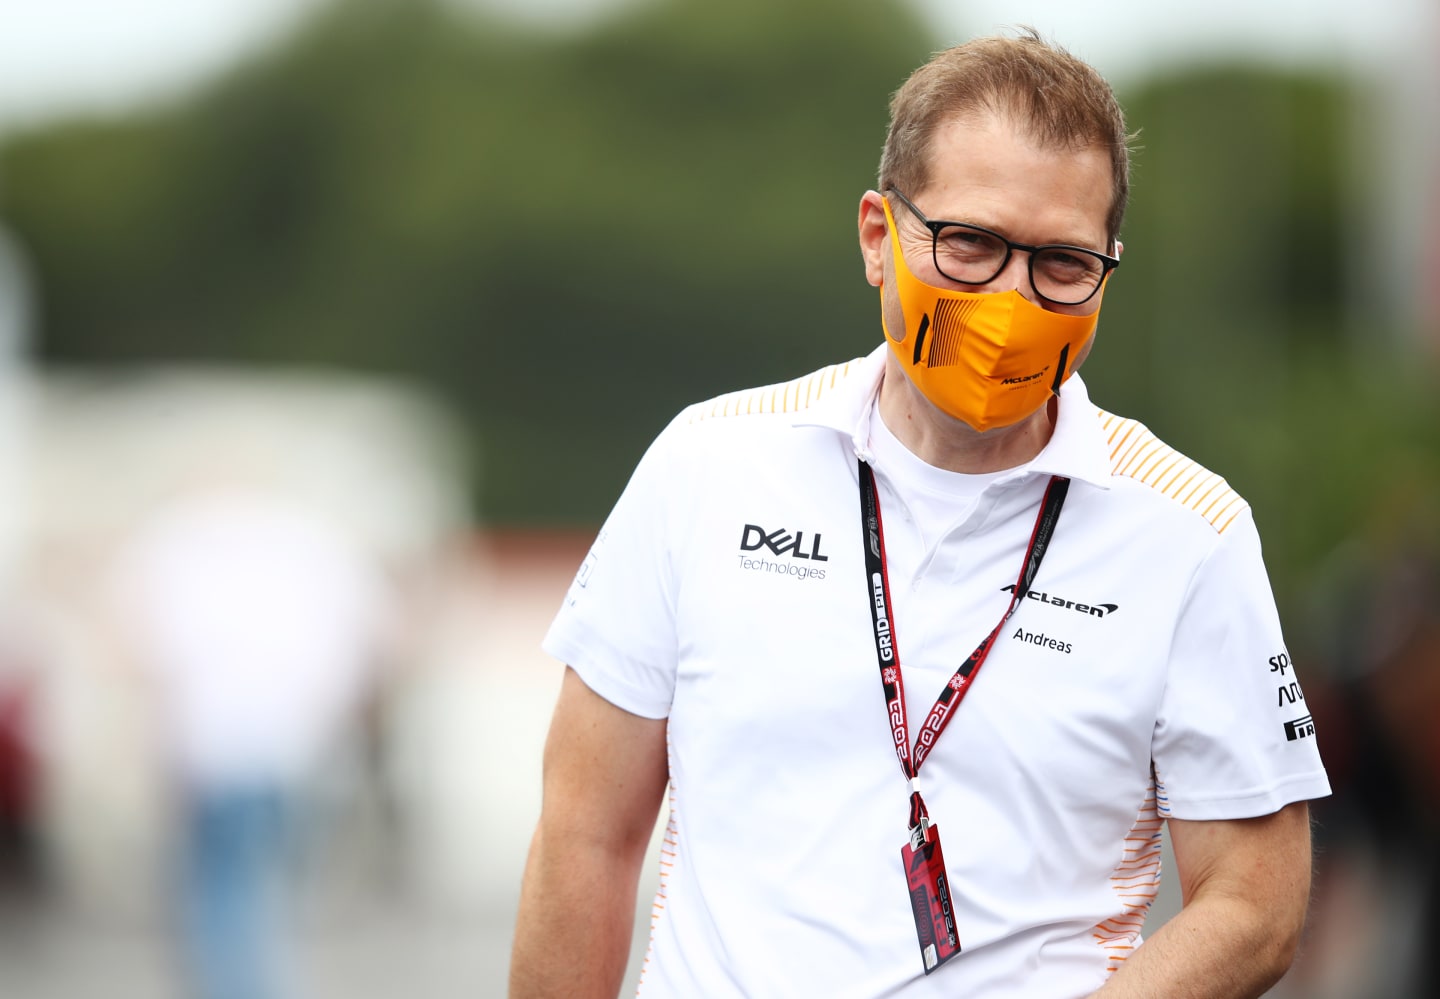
(920, 824)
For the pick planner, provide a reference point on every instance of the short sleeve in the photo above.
(1234, 737)
(616, 626)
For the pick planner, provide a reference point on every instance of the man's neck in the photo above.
(945, 442)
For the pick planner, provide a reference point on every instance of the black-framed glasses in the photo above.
(972, 254)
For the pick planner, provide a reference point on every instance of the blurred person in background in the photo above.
(724, 633)
(1395, 704)
(21, 860)
(260, 623)
(1376, 925)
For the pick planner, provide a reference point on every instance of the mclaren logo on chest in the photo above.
(1094, 610)
(781, 542)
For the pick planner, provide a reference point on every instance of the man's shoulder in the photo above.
(1139, 456)
(777, 399)
(710, 448)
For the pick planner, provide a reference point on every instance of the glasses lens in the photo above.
(1066, 275)
(972, 256)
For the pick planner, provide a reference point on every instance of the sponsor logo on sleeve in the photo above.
(587, 569)
(1300, 728)
(1288, 692)
(586, 572)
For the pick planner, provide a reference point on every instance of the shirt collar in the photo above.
(1075, 450)
(845, 408)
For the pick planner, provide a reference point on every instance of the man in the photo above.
(795, 572)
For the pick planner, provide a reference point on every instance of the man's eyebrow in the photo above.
(1103, 246)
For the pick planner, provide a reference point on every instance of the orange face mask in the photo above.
(989, 359)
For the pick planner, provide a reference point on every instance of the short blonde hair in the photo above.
(1057, 99)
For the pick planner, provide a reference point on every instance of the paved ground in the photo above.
(356, 944)
(55, 954)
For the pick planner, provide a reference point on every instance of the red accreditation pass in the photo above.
(930, 897)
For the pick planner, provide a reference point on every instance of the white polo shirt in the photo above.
(1144, 676)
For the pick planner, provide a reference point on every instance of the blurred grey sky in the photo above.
(60, 57)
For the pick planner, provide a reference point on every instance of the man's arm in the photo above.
(1245, 884)
(605, 772)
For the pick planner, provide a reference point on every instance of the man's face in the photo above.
(984, 171)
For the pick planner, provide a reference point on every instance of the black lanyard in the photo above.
(887, 653)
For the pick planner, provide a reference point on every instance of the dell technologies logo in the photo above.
(787, 549)
(1094, 610)
(781, 542)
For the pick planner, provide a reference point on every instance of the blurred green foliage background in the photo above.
(571, 237)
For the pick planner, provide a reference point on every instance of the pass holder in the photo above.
(930, 900)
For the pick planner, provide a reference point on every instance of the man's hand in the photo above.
(1245, 884)
(605, 772)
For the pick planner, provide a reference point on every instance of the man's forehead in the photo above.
(991, 171)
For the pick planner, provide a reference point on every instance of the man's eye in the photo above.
(1067, 266)
(968, 242)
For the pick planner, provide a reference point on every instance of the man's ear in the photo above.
(874, 236)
